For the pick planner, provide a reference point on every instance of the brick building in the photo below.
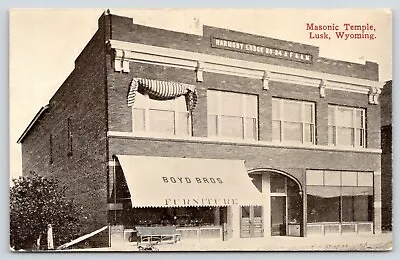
(387, 177)
(156, 127)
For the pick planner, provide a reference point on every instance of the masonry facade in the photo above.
(307, 128)
(387, 154)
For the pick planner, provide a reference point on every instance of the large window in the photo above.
(232, 115)
(293, 121)
(162, 117)
(340, 201)
(346, 126)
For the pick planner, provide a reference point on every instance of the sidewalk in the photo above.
(381, 242)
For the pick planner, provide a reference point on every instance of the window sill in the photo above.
(233, 141)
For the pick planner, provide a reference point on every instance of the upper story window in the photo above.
(232, 115)
(293, 121)
(346, 126)
(169, 117)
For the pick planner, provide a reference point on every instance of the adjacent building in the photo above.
(387, 163)
(225, 135)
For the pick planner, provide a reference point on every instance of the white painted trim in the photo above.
(377, 173)
(217, 64)
(377, 204)
(113, 163)
(242, 142)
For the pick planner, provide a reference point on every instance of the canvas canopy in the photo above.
(188, 182)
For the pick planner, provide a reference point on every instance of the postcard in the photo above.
(200, 130)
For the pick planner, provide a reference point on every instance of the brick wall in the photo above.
(124, 29)
(387, 154)
(120, 115)
(83, 169)
(293, 161)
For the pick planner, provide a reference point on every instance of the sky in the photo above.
(44, 44)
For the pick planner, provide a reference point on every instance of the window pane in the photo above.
(276, 130)
(323, 204)
(363, 208)
(245, 212)
(365, 179)
(231, 104)
(231, 126)
(315, 177)
(276, 109)
(292, 111)
(212, 102)
(292, 131)
(181, 104)
(277, 183)
(251, 106)
(308, 133)
(140, 100)
(344, 136)
(138, 119)
(349, 178)
(331, 115)
(183, 128)
(251, 128)
(359, 118)
(308, 113)
(347, 209)
(344, 117)
(257, 211)
(162, 104)
(257, 181)
(212, 125)
(359, 137)
(161, 121)
(331, 135)
(356, 207)
(332, 178)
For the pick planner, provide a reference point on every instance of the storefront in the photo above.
(200, 197)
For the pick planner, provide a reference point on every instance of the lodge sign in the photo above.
(260, 50)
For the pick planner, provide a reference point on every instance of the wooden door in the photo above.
(251, 221)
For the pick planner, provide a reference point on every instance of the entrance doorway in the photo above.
(278, 216)
(286, 206)
(251, 221)
(283, 214)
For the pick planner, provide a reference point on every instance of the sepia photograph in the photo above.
(141, 130)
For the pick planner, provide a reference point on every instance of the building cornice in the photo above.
(135, 52)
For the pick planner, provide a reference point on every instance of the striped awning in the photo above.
(188, 182)
(162, 90)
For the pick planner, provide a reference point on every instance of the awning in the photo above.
(162, 90)
(331, 192)
(188, 182)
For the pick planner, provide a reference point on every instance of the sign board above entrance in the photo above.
(260, 50)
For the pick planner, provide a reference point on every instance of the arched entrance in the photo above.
(283, 214)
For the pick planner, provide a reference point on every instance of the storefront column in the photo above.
(217, 221)
(377, 203)
(267, 207)
(233, 222)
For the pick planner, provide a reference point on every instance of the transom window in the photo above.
(346, 126)
(169, 117)
(293, 121)
(232, 115)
